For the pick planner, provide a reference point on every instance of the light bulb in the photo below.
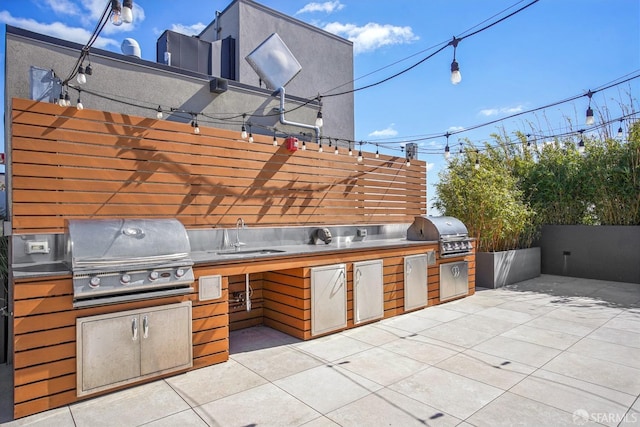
(377, 153)
(88, 70)
(408, 162)
(159, 113)
(620, 133)
(447, 152)
(350, 151)
(250, 136)
(196, 128)
(304, 145)
(336, 150)
(81, 77)
(319, 121)
(477, 165)
(79, 105)
(116, 18)
(67, 100)
(243, 134)
(127, 11)
(61, 101)
(359, 157)
(456, 77)
(320, 148)
(581, 146)
(590, 120)
(275, 141)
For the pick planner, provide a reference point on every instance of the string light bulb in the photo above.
(275, 140)
(81, 78)
(336, 151)
(127, 11)
(447, 151)
(116, 13)
(350, 150)
(528, 140)
(319, 121)
(590, 119)
(61, 101)
(477, 165)
(194, 124)
(79, 104)
(243, 132)
(250, 135)
(456, 77)
(159, 113)
(377, 152)
(359, 159)
(620, 131)
(304, 145)
(581, 143)
(319, 147)
(67, 99)
(88, 70)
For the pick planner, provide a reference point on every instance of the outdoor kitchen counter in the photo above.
(228, 256)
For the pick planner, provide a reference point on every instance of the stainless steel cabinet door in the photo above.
(415, 281)
(109, 352)
(165, 339)
(454, 280)
(328, 298)
(368, 291)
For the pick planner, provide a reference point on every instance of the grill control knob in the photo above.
(125, 279)
(180, 272)
(154, 275)
(94, 282)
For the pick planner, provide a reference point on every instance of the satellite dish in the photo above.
(130, 47)
(274, 62)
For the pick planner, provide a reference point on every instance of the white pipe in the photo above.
(284, 121)
(247, 290)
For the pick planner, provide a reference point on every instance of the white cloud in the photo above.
(189, 30)
(326, 7)
(62, 7)
(455, 128)
(430, 166)
(384, 133)
(372, 36)
(57, 29)
(504, 110)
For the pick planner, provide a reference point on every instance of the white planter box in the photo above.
(498, 269)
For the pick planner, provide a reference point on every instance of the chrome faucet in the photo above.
(239, 223)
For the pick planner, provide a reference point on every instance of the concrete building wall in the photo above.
(326, 59)
(606, 252)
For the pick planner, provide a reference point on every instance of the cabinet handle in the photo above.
(145, 327)
(409, 267)
(134, 328)
(358, 276)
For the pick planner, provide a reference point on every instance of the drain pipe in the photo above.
(284, 121)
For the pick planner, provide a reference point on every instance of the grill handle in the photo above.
(134, 329)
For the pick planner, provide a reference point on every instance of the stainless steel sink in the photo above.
(250, 252)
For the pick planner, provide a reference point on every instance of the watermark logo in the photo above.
(581, 417)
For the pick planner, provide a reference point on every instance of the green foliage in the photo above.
(518, 187)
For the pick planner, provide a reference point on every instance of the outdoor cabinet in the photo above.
(328, 298)
(368, 291)
(119, 348)
(415, 281)
(454, 280)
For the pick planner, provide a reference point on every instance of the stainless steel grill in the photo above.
(450, 232)
(127, 259)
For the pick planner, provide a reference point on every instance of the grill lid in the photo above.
(436, 228)
(124, 243)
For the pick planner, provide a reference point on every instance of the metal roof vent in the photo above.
(130, 47)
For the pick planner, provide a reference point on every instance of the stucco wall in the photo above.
(592, 252)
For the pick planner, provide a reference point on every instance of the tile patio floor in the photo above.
(548, 351)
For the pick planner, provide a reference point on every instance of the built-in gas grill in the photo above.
(450, 232)
(127, 259)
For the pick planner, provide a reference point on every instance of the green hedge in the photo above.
(523, 184)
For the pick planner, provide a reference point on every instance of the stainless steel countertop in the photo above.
(229, 256)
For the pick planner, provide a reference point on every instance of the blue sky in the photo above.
(553, 50)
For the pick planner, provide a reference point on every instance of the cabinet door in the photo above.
(454, 280)
(165, 339)
(368, 291)
(328, 298)
(109, 352)
(415, 281)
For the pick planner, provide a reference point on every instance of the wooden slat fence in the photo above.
(69, 163)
